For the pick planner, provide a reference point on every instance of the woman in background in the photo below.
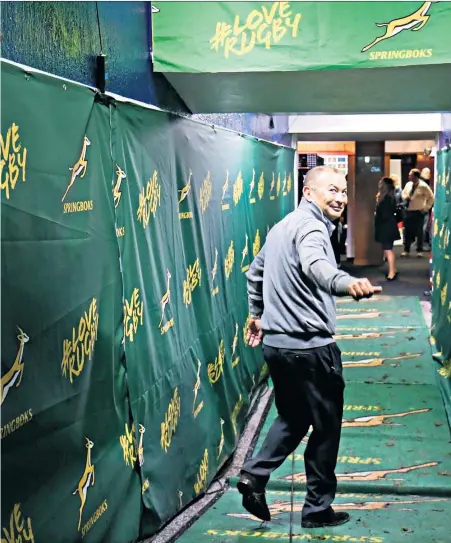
(386, 227)
(398, 188)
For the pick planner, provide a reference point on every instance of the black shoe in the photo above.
(391, 278)
(325, 518)
(254, 500)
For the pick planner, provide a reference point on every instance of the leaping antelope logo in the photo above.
(15, 374)
(235, 339)
(279, 508)
(245, 251)
(221, 441)
(252, 185)
(415, 21)
(373, 362)
(373, 335)
(87, 480)
(197, 387)
(370, 315)
(186, 189)
(117, 194)
(378, 420)
(273, 184)
(140, 445)
(375, 475)
(284, 186)
(79, 168)
(214, 270)
(225, 187)
(166, 297)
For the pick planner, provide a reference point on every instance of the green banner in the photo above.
(292, 36)
(441, 276)
(126, 234)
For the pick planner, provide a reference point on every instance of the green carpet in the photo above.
(394, 454)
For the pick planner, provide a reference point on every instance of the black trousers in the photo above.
(413, 229)
(308, 387)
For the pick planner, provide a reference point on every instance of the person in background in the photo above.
(398, 188)
(335, 241)
(419, 198)
(291, 285)
(385, 223)
(426, 177)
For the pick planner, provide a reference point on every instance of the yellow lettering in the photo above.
(429, 52)
(284, 9)
(278, 31)
(295, 25)
(186, 215)
(237, 29)
(14, 157)
(169, 425)
(82, 344)
(269, 17)
(17, 531)
(254, 20)
(261, 26)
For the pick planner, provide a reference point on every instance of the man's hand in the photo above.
(254, 334)
(362, 288)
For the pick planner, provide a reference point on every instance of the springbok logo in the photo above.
(166, 298)
(140, 445)
(79, 168)
(235, 340)
(375, 475)
(373, 362)
(87, 480)
(117, 194)
(15, 374)
(244, 254)
(379, 420)
(370, 315)
(415, 21)
(197, 410)
(279, 508)
(252, 187)
(225, 188)
(271, 188)
(214, 270)
(184, 192)
(373, 335)
(221, 441)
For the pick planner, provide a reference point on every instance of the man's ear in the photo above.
(306, 193)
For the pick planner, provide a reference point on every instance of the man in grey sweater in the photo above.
(292, 284)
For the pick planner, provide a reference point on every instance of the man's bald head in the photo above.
(327, 188)
(320, 175)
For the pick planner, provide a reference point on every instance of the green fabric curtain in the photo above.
(125, 234)
(441, 276)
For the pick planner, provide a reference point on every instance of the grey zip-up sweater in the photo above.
(293, 281)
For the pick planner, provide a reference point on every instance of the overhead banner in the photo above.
(126, 234)
(214, 37)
